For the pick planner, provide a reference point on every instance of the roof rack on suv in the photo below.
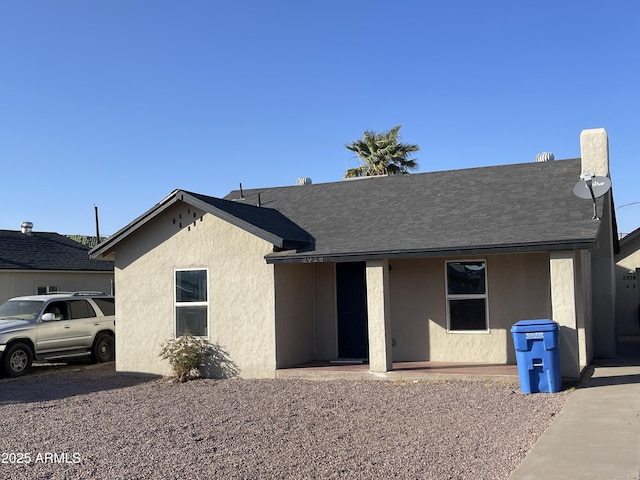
(88, 292)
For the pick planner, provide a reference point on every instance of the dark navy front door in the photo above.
(351, 291)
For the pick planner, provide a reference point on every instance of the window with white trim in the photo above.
(43, 290)
(467, 296)
(191, 302)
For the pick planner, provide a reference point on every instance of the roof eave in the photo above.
(105, 248)
(232, 219)
(312, 257)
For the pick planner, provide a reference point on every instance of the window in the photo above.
(192, 302)
(107, 305)
(48, 289)
(20, 309)
(467, 296)
(81, 309)
(59, 310)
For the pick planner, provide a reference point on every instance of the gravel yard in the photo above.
(92, 423)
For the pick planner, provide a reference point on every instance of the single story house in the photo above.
(628, 293)
(433, 266)
(33, 262)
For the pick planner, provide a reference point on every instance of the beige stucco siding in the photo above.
(417, 296)
(604, 287)
(517, 287)
(19, 282)
(324, 301)
(306, 327)
(241, 290)
(564, 288)
(584, 307)
(627, 291)
(379, 316)
(294, 314)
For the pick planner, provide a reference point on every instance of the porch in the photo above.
(403, 372)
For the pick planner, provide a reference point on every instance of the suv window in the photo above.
(59, 310)
(107, 305)
(81, 309)
(22, 309)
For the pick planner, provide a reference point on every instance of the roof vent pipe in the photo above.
(26, 228)
(303, 181)
(545, 157)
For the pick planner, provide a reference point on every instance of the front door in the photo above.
(351, 293)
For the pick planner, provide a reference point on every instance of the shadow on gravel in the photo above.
(65, 381)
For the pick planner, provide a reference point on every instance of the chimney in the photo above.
(594, 150)
(26, 228)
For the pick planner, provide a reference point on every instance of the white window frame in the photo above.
(467, 296)
(47, 289)
(177, 304)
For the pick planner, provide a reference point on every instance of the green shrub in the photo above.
(186, 354)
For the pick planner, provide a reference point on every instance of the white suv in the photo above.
(56, 326)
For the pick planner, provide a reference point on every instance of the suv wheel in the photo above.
(17, 359)
(103, 348)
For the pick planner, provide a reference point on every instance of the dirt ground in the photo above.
(83, 421)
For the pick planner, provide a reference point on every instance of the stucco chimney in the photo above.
(594, 150)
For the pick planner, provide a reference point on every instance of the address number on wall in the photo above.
(313, 260)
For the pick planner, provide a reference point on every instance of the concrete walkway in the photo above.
(597, 434)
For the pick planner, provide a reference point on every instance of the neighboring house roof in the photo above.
(629, 244)
(46, 251)
(506, 208)
(624, 241)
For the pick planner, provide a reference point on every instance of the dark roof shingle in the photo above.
(46, 251)
(505, 207)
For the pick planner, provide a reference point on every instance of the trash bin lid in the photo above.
(540, 325)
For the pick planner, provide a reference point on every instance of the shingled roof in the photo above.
(498, 209)
(46, 251)
(506, 208)
(266, 223)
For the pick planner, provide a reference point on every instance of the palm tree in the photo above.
(382, 154)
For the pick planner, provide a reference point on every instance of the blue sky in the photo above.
(117, 103)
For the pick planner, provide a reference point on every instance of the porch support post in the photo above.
(379, 316)
(562, 266)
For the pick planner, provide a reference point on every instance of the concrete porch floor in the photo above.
(403, 371)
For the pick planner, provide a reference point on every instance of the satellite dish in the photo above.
(591, 187)
(599, 186)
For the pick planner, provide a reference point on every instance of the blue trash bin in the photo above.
(536, 344)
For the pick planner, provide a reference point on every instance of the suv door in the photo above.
(84, 323)
(72, 328)
(51, 334)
